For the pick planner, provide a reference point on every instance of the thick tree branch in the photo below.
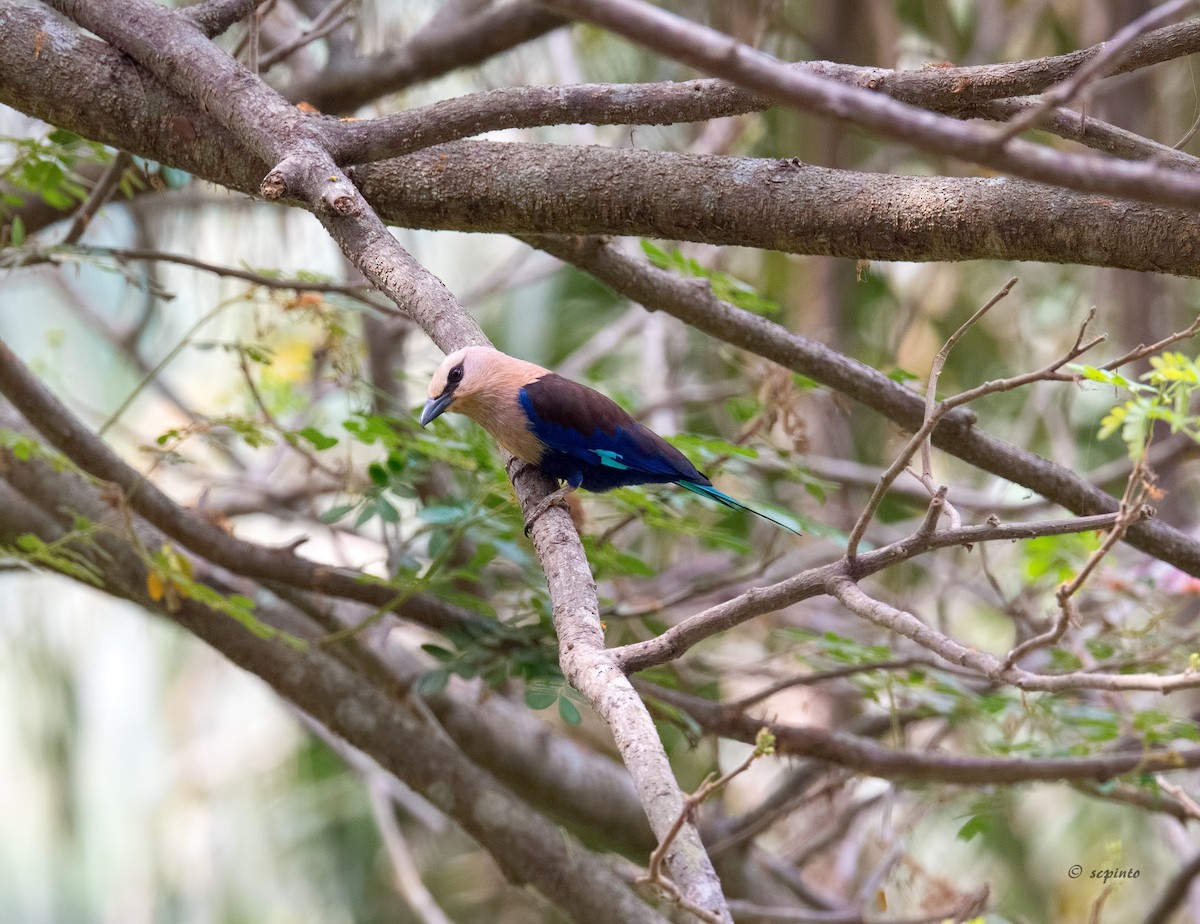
(773, 204)
(722, 56)
(547, 189)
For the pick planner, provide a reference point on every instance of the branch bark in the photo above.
(692, 301)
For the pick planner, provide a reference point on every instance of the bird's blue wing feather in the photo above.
(591, 441)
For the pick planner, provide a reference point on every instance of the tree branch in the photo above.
(723, 56)
(436, 49)
(692, 301)
(867, 757)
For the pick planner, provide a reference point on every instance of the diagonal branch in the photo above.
(722, 56)
(864, 756)
(67, 434)
(1110, 55)
(693, 302)
(813, 582)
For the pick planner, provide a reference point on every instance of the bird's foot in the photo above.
(518, 467)
(556, 499)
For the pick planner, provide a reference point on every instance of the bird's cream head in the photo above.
(477, 381)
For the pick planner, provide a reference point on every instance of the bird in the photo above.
(567, 431)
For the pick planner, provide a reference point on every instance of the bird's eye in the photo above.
(455, 375)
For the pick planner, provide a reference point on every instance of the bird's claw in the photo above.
(557, 499)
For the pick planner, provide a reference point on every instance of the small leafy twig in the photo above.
(1142, 350)
(1131, 511)
(261, 404)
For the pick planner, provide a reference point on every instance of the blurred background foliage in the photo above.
(144, 779)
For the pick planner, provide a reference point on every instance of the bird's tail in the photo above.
(707, 490)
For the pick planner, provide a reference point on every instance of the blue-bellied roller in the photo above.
(567, 431)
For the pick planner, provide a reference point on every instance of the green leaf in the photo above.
(432, 682)
(568, 711)
(333, 514)
(378, 474)
(318, 439)
(18, 231)
(976, 825)
(440, 513)
(540, 699)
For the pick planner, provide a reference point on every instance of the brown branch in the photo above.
(66, 433)
(1074, 126)
(811, 583)
(436, 49)
(874, 759)
(722, 56)
(1106, 60)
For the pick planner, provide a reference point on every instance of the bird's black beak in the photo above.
(435, 407)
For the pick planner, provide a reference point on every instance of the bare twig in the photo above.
(361, 293)
(1141, 350)
(942, 408)
(100, 194)
(330, 19)
(935, 373)
(764, 746)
